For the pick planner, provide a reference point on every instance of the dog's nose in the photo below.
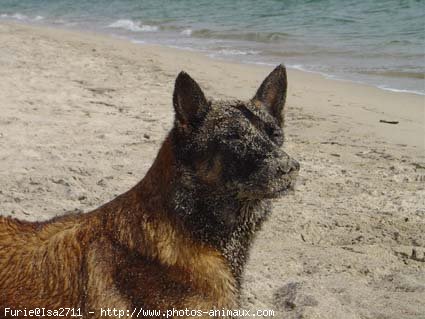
(288, 167)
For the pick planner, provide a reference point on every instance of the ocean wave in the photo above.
(344, 79)
(16, 16)
(138, 41)
(245, 36)
(237, 52)
(187, 32)
(396, 74)
(133, 26)
(386, 88)
(20, 17)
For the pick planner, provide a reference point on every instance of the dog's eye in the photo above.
(234, 136)
(274, 133)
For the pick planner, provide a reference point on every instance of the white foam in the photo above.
(237, 52)
(187, 32)
(383, 87)
(338, 78)
(149, 28)
(138, 41)
(19, 16)
(16, 16)
(261, 63)
(184, 48)
(133, 26)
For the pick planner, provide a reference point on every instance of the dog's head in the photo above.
(233, 149)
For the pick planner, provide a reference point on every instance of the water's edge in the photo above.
(232, 57)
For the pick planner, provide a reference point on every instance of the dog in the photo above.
(180, 238)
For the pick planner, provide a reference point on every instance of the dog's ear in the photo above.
(189, 101)
(272, 93)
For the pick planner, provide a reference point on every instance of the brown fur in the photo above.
(139, 250)
(101, 252)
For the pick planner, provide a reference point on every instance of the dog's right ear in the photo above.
(189, 101)
(272, 93)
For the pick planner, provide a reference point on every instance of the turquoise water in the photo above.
(376, 42)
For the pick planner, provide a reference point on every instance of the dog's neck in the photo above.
(215, 217)
(153, 218)
(220, 221)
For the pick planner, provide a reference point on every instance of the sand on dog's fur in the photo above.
(82, 117)
(181, 237)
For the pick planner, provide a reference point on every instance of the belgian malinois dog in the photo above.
(180, 238)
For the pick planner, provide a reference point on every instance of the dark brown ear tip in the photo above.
(183, 80)
(182, 75)
(281, 69)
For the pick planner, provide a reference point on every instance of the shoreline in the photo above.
(393, 99)
(83, 116)
(210, 54)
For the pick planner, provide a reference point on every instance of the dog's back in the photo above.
(39, 260)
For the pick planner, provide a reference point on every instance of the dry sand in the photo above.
(82, 117)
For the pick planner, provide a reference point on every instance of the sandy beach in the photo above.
(82, 117)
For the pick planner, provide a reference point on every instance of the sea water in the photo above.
(376, 42)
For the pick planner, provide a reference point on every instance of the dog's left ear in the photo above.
(272, 93)
(189, 101)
